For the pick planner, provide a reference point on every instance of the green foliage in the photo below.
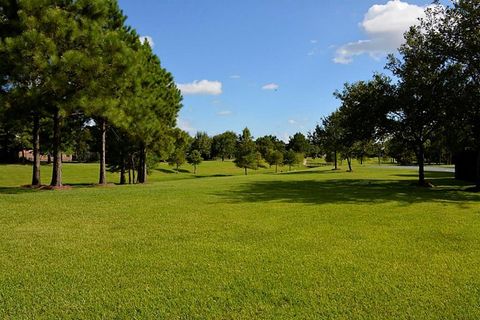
(181, 145)
(194, 158)
(177, 158)
(327, 136)
(292, 158)
(76, 59)
(246, 152)
(298, 143)
(203, 143)
(267, 143)
(274, 158)
(223, 145)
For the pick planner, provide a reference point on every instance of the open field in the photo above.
(317, 244)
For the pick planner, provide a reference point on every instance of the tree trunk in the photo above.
(335, 160)
(349, 161)
(103, 141)
(57, 152)
(223, 158)
(49, 158)
(276, 168)
(478, 170)
(142, 170)
(246, 173)
(145, 174)
(129, 176)
(194, 169)
(361, 159)
(132, 163)
(36, 181)
(23, 155)
(123, 178)
(421, 165)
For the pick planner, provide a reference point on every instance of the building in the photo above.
(28, 156)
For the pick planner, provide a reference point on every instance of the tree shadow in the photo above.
(430, 175)
(46, 188)
(355, 191)
(170, 171)
(162, 170)
(293, 172)
(17, 190)
(214, 176)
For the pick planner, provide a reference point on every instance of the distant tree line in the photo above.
(430, 111)
(245, 151)
(73, 75)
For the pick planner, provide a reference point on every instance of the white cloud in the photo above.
(298, 123)
(270, 86)
(384, 25)
(203, 87)
(148, 40)
(313, 41)
(235, 76)
(185, 125)
(224, 113)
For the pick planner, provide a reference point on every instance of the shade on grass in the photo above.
(314, 244)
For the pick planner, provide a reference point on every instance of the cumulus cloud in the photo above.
(224, 113)
(147, 39)
(270, 86)
(185, 125)
(384, 25)
(202, 87)
(298, 123)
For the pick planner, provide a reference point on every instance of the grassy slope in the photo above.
(314, 244)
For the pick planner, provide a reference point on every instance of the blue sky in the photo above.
(270, 65)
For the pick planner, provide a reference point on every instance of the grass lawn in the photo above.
(315, 244)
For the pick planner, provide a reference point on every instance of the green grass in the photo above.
(316, 244)
(83, 174)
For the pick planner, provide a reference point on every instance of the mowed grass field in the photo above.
(311, 244)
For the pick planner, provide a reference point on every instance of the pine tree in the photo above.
(246, 153)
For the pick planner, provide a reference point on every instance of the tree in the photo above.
(453, 35)
(267, 144)
(177, 158)
(421, 93)
(114, 56)
(20, 81)
(203, 143)
(298, 143)
(223, 145)
(152, 110)
(274, 157)
(55, 60)
(194, 158)
(181, 145)
(326, 136)
(361, 116)
(291, 158)
(246, 152)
